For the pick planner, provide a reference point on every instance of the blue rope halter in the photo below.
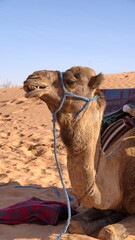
(54, 116)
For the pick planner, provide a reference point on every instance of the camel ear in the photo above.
(95, 81)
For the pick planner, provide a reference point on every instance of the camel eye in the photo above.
(70, 82)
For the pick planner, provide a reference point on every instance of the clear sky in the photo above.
(59, 34)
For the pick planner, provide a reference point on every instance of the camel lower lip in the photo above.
(35, 93)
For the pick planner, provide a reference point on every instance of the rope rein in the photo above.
(54, 118)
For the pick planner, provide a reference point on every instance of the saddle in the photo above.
(116, 122)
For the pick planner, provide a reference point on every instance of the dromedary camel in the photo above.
(101, 181)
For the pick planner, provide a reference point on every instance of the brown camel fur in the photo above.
(99, 180)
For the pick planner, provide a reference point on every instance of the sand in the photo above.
(26, 157)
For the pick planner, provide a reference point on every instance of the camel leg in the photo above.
(79, 222)
(93, 220)
(118, 231)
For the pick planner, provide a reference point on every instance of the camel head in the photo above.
(47, 86)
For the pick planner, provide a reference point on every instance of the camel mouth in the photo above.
(34, 90)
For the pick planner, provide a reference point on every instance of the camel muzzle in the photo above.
(33, 89)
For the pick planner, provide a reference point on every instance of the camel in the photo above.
(104, 182)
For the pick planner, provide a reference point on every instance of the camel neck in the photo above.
(82, 139)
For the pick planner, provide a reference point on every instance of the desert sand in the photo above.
(27, 159)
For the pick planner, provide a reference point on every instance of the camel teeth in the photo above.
(32, 87)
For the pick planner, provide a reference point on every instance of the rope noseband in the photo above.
(54, 116)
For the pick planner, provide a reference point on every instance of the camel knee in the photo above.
(92, 220)
(87, 222)
(118, 231)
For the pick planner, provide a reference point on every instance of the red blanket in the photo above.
(34, 209)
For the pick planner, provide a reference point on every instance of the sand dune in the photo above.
(27, 159)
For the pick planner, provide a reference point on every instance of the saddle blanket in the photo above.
(116, 122)
(34, 209)
(117, 98)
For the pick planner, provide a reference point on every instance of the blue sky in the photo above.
(59, 34)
